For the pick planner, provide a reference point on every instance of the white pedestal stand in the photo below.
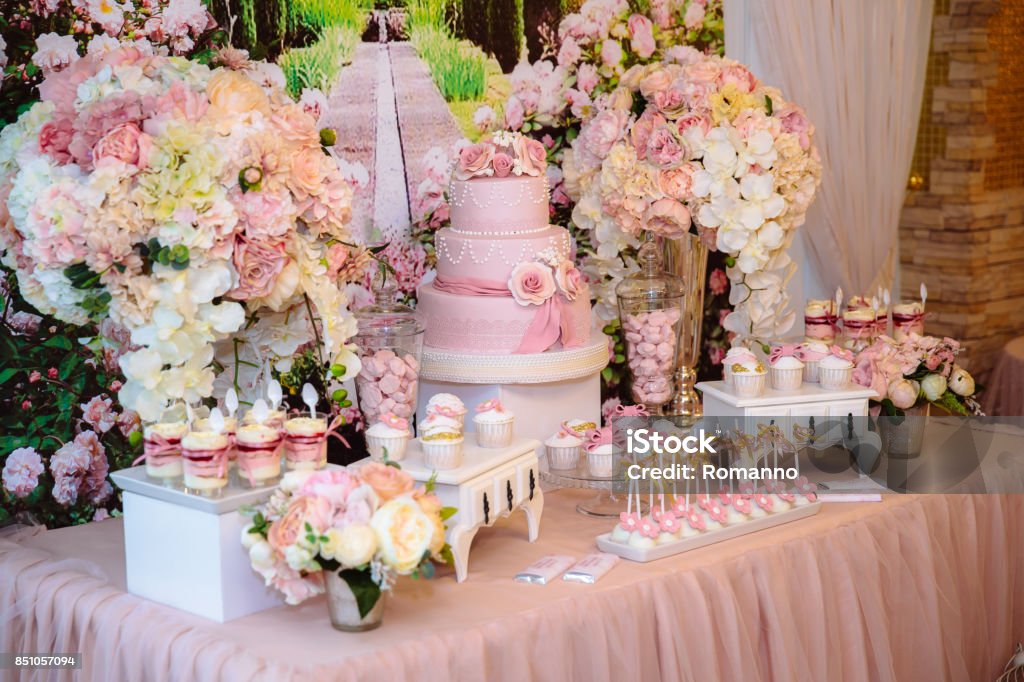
(490, 484)
(542, 389)
(186, 551)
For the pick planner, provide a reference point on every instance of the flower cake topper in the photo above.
(504, 154)
(489, 405)
(394, 421)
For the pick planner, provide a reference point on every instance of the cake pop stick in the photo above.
(309, 397)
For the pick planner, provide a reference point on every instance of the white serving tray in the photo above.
(605, 543)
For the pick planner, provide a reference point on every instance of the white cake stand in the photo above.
(607, 503)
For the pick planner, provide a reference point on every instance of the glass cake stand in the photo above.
(605, 504)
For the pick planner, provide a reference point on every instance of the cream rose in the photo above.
(961, 382)
(233, 94)
(351, 546)
(404, 533)
(531, 283)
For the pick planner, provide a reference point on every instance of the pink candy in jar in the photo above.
(651, 341)
(387, 383)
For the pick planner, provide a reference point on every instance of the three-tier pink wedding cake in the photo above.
(506, 282)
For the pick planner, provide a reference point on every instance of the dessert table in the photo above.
(913, 587)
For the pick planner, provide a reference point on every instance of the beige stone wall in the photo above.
(962, 233)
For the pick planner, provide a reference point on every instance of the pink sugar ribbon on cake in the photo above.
(786, 350)
(842, 353)
(546, 325)
(492, 404)
(598, 437)
(157, 447)
(630, 411)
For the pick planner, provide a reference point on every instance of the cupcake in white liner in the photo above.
(787, 372)
(600, 453)
(447, 405)
(836, 371)
(493, 424)
(563, 449)
(811, 353)
(749, 379)
(736, 354)
(390, 435)
(442, 448)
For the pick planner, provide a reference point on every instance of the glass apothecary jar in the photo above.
(390, 341)
(650, 310)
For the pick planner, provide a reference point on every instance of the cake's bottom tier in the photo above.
(492, 325)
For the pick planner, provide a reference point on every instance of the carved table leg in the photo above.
(460, 539)
(534, 508)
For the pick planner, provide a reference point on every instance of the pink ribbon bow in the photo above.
(598, 437)
(630, 411)
(784, 351)
(492, 404)
(842, 353)
(394, 421)
(156, 446)
(446, 411)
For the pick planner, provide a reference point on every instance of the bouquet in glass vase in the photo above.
(349, 533)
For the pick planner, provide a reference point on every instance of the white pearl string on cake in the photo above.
(510, 233)
(460, 192)
(445, 250)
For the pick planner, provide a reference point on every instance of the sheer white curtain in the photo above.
(858, 68)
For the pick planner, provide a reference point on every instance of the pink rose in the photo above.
(665, 149)
(531, 283)
(387, 481)
(603, 131)
(316, 511)
(474, 160)
(331, 485)
(21, 472)
(514, 113)
(795, 121)
(568, 279)
(54, 138)
(641, 32)
(654, 82)
(670, 102)
(98, 414)
(694, 17)
(121, 143)
(716, 355)
(642, 129)
(668, 218)
(611, 53)
(676, 182)
(739, 76)
(693, 120)
(569, 53)
(533, 157)
(587, 77)
(337, 256)
(502, 165)
(258, 264)
(718, 282)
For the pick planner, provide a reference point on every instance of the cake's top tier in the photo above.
(499, 186)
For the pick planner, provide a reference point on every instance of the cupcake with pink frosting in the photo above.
(836, 370)
(787, 370)
(811, 353)
(493, 423)
(736, 355)
(390, 435)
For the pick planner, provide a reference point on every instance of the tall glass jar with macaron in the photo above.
(390, 341)
(650, 310)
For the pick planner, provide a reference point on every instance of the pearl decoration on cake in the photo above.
(463, 190)
(509, 233)
(446, 251)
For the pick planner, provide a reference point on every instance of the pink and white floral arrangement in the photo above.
(371, 524)
(699, 140)
(194, 206)
(915, 371)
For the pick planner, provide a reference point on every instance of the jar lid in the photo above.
(651, 282)
(386, 316)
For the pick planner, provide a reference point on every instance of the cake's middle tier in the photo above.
(461, 254)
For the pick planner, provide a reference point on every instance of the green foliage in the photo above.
(319, 14)
(249, 34)
(458, 68)
(505, 31)
(317, 66)
(363, 588)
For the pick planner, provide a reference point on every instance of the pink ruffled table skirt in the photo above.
(912, 588)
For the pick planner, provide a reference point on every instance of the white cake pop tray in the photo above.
(711, 537)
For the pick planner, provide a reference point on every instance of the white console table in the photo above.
(490, 484)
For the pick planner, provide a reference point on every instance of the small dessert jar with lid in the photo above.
(258, 447)
(907, 319)
(161, 447)
(305, 443)
(205, 462)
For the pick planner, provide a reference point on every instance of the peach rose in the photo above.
(296, 125)
(474, 160)
(232, 94)
(533, 157)
(431, 506)
(258, 264)
(531, 283)
(54, 138)
(121, 143)
(568, 279)
(676, 182)
(656, 81)
(668, 218)
(307, 172)
(287, 530)
(387, 481)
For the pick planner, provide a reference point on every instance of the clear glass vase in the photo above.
(344, 610)
(903, 438)
(687, 258)
(650, 309)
